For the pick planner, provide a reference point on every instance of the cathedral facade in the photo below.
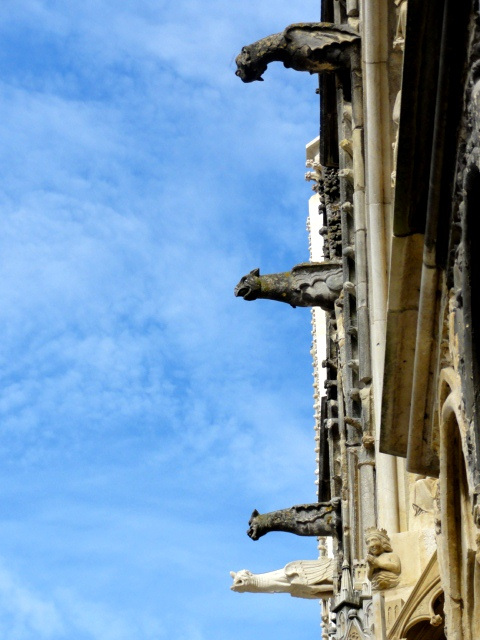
(396, 175)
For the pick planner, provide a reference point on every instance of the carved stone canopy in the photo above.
(315, 47)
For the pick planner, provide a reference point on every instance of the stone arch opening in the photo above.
(456, 542)
(425, 630)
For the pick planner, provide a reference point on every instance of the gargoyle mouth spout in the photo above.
(247, 70)
(244, 292)
(247, 77)
(252, 533)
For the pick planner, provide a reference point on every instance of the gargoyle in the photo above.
(316, 519)
(301, 579)
(315, 47)
(309, 284)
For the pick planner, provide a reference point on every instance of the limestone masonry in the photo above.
(393, 224)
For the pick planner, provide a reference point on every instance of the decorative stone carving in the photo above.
(301, 579)
(384, 566)
(399, 42)
(424, 492)
(392, 610)
(309, 284)
(315, 175)
(368, 442)
(330, 209)
(315, 47)
(360, 582)
(368, 625)
(396, 121)
(346, 145)
(436, 620)
(316, 519)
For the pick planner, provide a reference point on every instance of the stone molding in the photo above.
(419, 606)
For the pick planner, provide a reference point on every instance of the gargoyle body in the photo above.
(315, 47)
(301, 579)
(316, 519)
(310, 284)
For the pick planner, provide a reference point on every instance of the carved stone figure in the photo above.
(399, 42)
(384, 566)
(301, 579)
(316, 519)
(309, 284)
(307, 46)
(424, 492)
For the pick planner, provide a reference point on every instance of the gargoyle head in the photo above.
(249, 286)
(241, 580)
(254, 530)
(249, 68)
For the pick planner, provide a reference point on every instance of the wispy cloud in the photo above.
(24, 614)
(144, 411)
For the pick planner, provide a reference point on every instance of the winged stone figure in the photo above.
(311, 579)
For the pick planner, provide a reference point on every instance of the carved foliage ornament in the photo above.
(315, 47)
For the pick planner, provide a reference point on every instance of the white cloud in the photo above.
(145, 411)
(24, 613)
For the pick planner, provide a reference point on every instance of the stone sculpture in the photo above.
(301, 579)
(424, 492)
(309, 284)
(399, 42)
(315, 47)
(384, 566)
(316, 519)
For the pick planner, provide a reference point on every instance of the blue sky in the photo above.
(144, 411)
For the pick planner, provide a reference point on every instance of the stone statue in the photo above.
(309, 284)
(424, 492)
(316, 519)
(384, 566)
(301, 579)
(399, 42)
(315, 47)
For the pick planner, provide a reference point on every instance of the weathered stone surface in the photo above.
(310, 284)
(384, 566)
(315, 47)
(316, 519)
(301, 579)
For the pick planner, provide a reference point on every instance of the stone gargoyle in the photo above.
(316, 519)
(301, 579)
(309, 284)
(315, 47)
